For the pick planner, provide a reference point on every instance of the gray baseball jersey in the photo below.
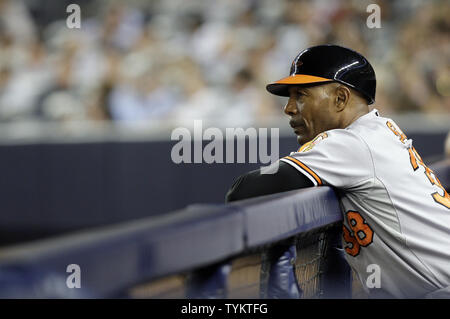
(396, 213)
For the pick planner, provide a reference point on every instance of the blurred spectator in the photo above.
(25, 82)
(16, 21)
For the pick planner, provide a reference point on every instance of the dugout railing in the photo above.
(284, 245)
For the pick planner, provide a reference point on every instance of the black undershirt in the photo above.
(255, 184)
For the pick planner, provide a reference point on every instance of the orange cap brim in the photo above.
(280, 87)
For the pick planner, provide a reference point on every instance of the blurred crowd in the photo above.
(178, 60)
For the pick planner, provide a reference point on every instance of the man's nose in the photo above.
(291, 107)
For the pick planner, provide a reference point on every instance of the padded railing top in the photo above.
(116, 257)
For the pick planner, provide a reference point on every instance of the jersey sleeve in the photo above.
(337, 158)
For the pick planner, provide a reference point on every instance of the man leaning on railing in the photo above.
(396, 212)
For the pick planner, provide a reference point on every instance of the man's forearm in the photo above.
(255, 184)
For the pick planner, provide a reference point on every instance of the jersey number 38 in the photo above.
(360, 235)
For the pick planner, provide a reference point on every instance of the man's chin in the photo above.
(301, 139)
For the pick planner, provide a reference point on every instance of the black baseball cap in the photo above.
(329, 63)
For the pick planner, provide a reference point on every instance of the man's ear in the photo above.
(342, 97)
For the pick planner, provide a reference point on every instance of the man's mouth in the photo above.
(298, 127)
(298, 130)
